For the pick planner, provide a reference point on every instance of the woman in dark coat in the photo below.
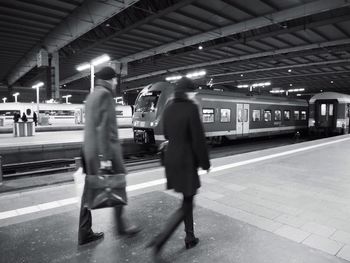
(186, 152)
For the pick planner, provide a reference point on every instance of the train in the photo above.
(225, 114)
(329, 114)
(59, 114)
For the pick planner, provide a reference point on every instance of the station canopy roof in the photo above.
(292, 44)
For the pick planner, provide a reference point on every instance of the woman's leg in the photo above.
(187, 207)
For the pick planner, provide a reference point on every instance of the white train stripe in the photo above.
(74, 200)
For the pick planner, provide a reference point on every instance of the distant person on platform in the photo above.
(101, 138)
(16, 117)
(185, 153)
(24, 117)
(35, 119)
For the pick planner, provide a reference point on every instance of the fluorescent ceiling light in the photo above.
(296, 90)
(277, 91)
(171, 78)
(243, 86)
(102, 59)
(196, 74)
(83, 67)
(262, 84)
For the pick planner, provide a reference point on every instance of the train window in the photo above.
(296, 115)
(225, 115)
(267, 115)
(208, 115)
(323, 109)
(330, 109)
(286, 115)
(246, 115)
(278, 115)
(256, 115)
(147, 102)
(303, 115)
(240, 115)
(7, 112)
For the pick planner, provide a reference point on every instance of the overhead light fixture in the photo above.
(277, 91)
(296, 90)
(289, 70)
(332, 81)
(243, 86)
(200, 47)
(38, 85)
(83, 67)
(172, 78)
(99, 60)
(196, 74)
(298, 94)
(66, 97)
(242, 75)
(262, 84)
(290, 84)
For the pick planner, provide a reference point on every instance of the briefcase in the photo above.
(161, 152)
(105, 190)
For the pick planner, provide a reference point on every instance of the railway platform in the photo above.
(46, 145)
(285, 204)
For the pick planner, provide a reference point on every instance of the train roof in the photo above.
(340, 97)
(232, 95)
(251, 97)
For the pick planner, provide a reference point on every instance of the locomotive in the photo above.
(224, 114)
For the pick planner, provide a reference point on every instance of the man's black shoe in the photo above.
(130, 231)
(90, 238)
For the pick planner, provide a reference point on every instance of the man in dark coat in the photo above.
(101, 138)
(186, 152)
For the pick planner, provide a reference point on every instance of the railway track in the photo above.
(137, 161)
(37, 168)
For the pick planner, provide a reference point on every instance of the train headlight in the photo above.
(153, 123)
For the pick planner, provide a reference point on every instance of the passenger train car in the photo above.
(329, 113)
(224, 114)
(60, 114)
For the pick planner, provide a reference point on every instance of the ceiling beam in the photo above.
(251, 24)
(246, 57)
(84, 18)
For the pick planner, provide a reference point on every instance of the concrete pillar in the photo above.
(9, 94)
(122, 70)
(55, 76)
(1, 170)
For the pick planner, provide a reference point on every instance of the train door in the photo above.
(325, 114)
(242, 120)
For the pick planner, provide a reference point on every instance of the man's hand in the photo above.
(106, 164)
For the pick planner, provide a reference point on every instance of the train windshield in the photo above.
(147, 101)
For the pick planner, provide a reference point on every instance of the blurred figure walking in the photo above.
(185, 153)
(101, 138)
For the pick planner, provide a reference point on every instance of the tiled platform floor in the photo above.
(299, 194)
